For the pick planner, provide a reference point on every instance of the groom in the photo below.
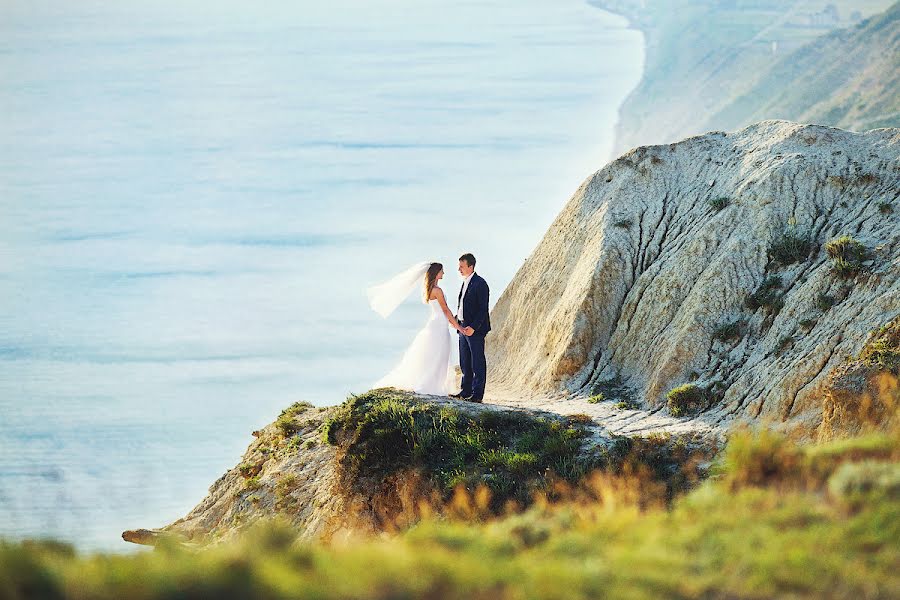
(472, 314)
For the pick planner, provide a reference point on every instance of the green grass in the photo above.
(513, 454)
(767, 296)
(686, 399)
(718, 204)
(883, 350)
(885, 208)
(847, 255)
(286, 422)
(596, 398)
(778, 521)
(731, 330)
(824, 302)
(791, 247)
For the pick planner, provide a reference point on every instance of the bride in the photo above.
(425, 367)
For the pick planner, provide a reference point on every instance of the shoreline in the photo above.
(634, 20)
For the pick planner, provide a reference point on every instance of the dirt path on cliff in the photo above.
(608, 419)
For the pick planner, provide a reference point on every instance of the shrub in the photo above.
(718, 204)
(783, 344)
(883, 351)
(627, 405)
(622, 223)
(729, 331)
(845, 268)
(287, 425)
(824, 302)
(790, 247)
(296, 408)
(760, 458)
(766, 295)
(580, 418)
(687, 398)
(248, 470)
(885, 208)
(847, 248)
(807, 324)
(285, 486)
(847, 255)
(596, 398)
(866, 482)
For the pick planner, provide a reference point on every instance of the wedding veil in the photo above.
(387, 296)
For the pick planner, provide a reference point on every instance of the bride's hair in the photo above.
(430, 278)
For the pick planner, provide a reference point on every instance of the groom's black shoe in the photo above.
(458, 397)
(474, 399)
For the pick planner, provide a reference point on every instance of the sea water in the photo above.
(195, 195)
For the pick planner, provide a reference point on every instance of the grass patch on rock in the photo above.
(286, 421)
(883, 350)
(847, 255)
(513, 454)
(824, 302)
(791, 247)
(730, 330)
(687, 399)
(767, 296)
(720, 203)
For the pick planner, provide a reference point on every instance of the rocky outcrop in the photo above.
(379, 460)
(702, 262)
(285, 471)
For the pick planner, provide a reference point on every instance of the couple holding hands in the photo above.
(426, 366)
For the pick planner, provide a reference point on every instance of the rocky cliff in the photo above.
(719, 262)
(744, 268)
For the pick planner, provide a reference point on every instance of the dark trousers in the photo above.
(473, 365)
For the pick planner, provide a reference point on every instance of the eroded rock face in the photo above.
(864, 394)
(661, 248)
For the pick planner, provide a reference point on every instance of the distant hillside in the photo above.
(725, 64)
(849, 78)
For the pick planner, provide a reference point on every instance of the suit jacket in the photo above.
(475, 305)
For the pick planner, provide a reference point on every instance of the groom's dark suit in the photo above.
(471, 348)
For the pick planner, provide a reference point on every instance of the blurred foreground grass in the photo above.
(776, 520)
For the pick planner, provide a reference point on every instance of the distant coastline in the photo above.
(802, 64)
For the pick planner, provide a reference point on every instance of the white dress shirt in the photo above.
(462, 296)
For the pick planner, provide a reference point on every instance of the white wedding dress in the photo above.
(425, 367)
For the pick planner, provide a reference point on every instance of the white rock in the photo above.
(597, 299)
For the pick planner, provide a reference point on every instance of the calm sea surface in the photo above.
(194, 196)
